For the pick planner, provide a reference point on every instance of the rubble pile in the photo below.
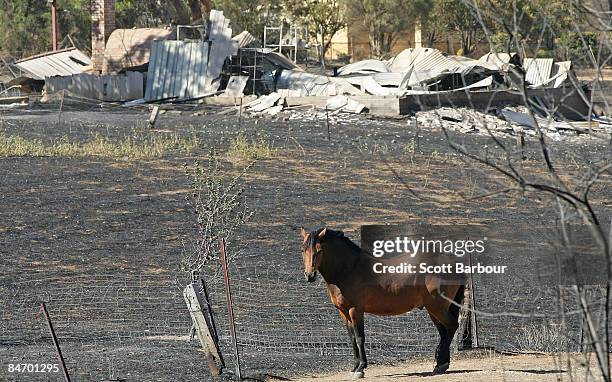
(499, 93)
(509, 121)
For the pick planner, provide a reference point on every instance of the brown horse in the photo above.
(354, 288)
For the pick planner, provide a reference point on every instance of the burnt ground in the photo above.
(100, 239)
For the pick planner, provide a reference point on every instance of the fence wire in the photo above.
(113, 326)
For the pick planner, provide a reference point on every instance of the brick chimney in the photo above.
(102, 24)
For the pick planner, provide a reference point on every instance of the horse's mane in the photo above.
(340, 235)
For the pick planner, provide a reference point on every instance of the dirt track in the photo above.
(485, 368)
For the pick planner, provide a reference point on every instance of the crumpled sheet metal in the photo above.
(59, 63)
(245, 39)
(419, 59)
(428, 59)
(344, 103)
(560, 74)
(543, 73)
(235, 86)
(264, 102)
(308, 84)
(498, 60)
(364, 67)
(278, 59)
(537, 70)
(389, 79)
(369, 85)
(414, 67)
(185, 69)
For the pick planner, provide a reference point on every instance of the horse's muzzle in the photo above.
(310, 276)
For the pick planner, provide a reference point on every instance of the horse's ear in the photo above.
(303, 233)
(321, 234)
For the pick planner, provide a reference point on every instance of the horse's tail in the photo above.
(454, 308)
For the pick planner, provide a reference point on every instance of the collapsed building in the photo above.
(159, 66)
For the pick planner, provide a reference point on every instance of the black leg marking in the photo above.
(351, 333)
(360, 340)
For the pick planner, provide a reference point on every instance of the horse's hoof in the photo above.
(441, 369)
(357, 375)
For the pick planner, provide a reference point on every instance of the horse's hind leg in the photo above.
(443, 349)
(446, 318)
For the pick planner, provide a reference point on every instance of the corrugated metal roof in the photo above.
(364, 67)
(245, 39)
(433, 61)
(422, 59)
(308, 84)
(131, 47)
(278, 59)
(177, 69)
(558, 75)
(497, 59)
(59, 63)
(538, 70)
(185, 70)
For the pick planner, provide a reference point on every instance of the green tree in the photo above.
(456, 16)
(322, 17)
(74, 20)
(385, 19)
(153, 13)
(250, 15)
(142, 14)
(521, 23)
(433, 26)
(24, 27)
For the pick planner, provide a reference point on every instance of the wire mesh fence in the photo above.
(137, 326)
(108, 325)
(113, 326)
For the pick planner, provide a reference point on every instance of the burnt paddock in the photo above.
(101, 239)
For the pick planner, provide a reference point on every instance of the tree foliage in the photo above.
(385, 19)
(250, 15)
(433, 25)
(142, 14)
(17, 20)
(533, 22)
(509, 25)
(322, 17)
(456, 16)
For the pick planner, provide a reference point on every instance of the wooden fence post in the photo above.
(200, 310)
(467, 335)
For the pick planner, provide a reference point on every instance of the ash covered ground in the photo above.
(88, 234)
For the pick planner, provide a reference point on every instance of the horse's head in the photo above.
(312, 252)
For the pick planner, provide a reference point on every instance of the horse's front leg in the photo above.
(357, 320)
(351, 333)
